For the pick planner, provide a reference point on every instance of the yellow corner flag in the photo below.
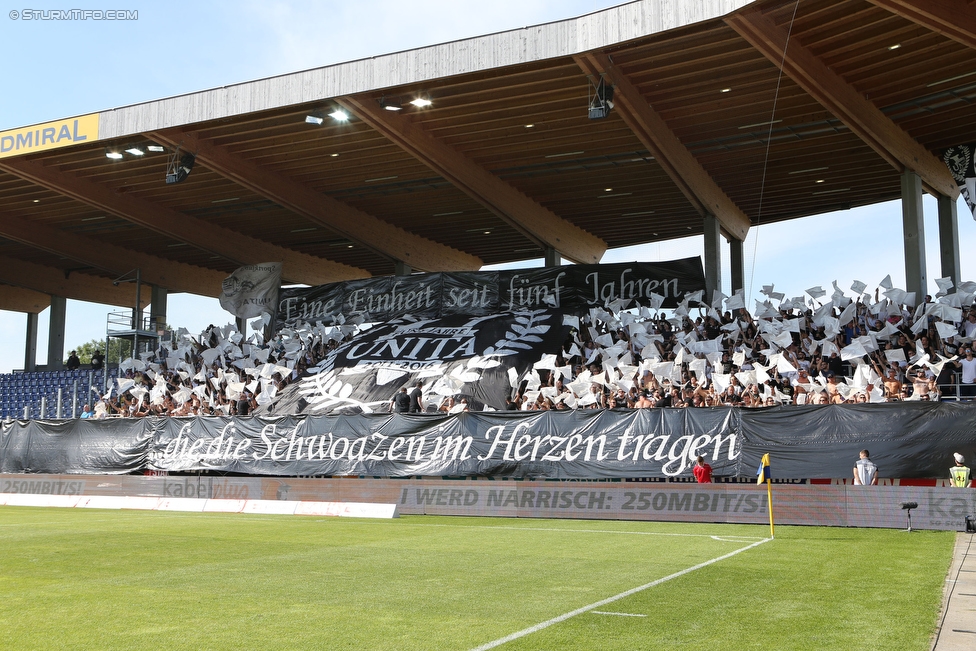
(765, 476)
(764, 471)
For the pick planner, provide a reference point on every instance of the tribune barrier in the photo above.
(910, 440)
(837, 505)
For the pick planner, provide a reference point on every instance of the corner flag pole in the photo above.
(765, 476)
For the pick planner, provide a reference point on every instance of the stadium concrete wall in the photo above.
(837, 505)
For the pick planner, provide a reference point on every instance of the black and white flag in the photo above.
(960, 161)
(251, 290)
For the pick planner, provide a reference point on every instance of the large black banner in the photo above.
(906, 440)
(571, 288)
(451, 356)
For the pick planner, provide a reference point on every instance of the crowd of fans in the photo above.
(215, 373)
(816, 349)
(876, 347)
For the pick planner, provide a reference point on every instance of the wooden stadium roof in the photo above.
(752, 112)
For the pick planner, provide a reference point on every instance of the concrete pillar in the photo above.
(738, 265)
(914, 234)
(157, 308)
(55, 334)
(30, 346)
(713, 256)
(949, 239)
(401, 268)
(552, 257)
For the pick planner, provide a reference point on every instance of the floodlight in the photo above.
(391, 104)
(179, 167)
(135, 151)
(421, 102)
(313, 119)
(339, 115)
(114, 155)
(601, 101)
(156, 148)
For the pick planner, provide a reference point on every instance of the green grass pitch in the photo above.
(94, 579)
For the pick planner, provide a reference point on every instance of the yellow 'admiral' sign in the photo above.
(50, 135)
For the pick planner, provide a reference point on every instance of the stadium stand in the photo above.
(26, 390)
(817, 350)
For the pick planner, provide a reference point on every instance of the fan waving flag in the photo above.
(764, 473)
(251, 290)
(961, 163)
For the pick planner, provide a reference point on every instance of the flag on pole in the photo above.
(961, 163)
(251, 290)
(764, 476)
(764, 473)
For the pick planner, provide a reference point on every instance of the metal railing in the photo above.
(119, 322)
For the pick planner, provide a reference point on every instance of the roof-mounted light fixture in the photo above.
(601, 99)
(391, 103)
(178, 167)
(421, 102)
(339, 115)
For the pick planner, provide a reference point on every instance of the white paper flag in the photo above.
(251, 290)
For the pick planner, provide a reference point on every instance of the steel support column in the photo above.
(55, 334)
(552, 257)
(949, 239)
(738, 265)
(914, 234)
(713, 255)
(30, 345)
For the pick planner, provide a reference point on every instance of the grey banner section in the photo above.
(839, 506)
(906, 441)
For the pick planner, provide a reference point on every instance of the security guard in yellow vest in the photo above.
(960, 474)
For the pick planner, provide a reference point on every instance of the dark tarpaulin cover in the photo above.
(77, 446)
(906, 440)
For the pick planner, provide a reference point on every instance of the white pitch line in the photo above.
(560, 530)
(736, 539)
(603, 612)
(579, 611)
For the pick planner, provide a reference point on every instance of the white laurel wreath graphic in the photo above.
(957, 159)
(524, 329)
(324, 391)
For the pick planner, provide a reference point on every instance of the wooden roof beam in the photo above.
(674, 158)
(19, 299)
(862, 117)
(76, 286)
(536, 222)
(955, 19)
(379, 236)
(174, 276)
(298, 267)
